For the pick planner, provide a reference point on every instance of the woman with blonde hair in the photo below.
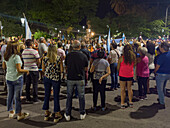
(14, 78)
(52, 68)
(125, 69)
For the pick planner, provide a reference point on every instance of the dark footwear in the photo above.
(103, 109)
(36, 101)
(161, 106)
(111, 89)
(93, 108)
(57, 117)
(115, 88)
(123, 106)
(29, 101)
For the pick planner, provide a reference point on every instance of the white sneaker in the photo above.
(11, 115)
(67, 117)
(82, 117)
(23, 116)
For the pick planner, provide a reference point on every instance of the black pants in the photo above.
(32, 78)
(99, 88)
(142, 82)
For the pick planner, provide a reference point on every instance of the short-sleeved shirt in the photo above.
(100, 68)
(52, 70)
(42, 48)
(86, 52)
(151, 60)
(30, 57)
(94, 54)
(12, 73)
(143, 67)
(120, 49)
(164, 62)
(114, 56)
(76, 62)
(3, 49)
(61, 53)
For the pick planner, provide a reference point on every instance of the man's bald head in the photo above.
(76, 44)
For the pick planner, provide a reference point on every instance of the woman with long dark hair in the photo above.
(101, 69)
(125, 69)
(14, 77)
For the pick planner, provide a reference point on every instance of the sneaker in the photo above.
(103, 109)
(29, 101)
(145, 98)
(47, 116)
(36, 101)
(123, 106)
(67, 117)
(141, 98)
(82, 116)
(23, 116)
(11, 115)
(93, 109)
(57, 117)
(161, 106)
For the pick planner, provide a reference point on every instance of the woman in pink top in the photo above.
(125, 68)
(142, 70)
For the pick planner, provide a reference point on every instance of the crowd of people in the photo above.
(75, 62)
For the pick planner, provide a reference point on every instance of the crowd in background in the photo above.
(75, 62)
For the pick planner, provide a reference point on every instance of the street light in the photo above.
(166, 18)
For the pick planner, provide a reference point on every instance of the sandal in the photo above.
(131, 105)
(123, 106)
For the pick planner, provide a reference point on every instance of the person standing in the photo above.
(113, 60)
(52, 68)
(14, 79)
(162, 71)
(31, 61)
(142, 70)
(125, 68)
(61, 53)
(76, 64)
(42, 49)
(101, 69)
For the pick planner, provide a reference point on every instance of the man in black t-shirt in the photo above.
(76, 63)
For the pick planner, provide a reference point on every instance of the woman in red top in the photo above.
(125, 68)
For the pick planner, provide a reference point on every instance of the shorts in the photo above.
(126, 78)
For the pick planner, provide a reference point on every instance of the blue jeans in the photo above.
(14, 92)
(80, 84)
(48, 83)
(161, 80)
(114, 75)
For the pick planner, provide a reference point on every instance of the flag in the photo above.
(118, 40)
(108, 42)
(123, 38)
(63, 37)
(100, 40)
(27, 30)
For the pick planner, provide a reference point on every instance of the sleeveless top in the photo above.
(52, 70)
(126, 70)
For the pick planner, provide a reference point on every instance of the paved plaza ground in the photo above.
(144, 114)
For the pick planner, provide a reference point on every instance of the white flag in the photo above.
(27, 30)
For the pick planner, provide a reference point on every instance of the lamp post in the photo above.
(166, 17)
